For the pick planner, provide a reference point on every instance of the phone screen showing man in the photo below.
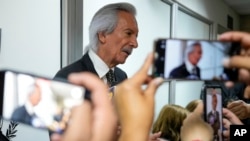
(192, 59)
(213, 111)
(37, 102)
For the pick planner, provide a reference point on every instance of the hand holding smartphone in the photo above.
(38, 101)
(193, 59)
(212, 99)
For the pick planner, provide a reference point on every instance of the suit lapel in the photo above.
(88, 64)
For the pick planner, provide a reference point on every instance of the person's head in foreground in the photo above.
(169, 122)
(196, 129)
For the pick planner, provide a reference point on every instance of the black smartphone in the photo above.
(212, 99)
(36, 101)
(193, 59)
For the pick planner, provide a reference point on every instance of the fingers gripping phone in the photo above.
(193, 59)
(37, 101)
(212, 99)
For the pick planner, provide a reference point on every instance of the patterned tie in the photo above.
(194, 71)
(110, 77)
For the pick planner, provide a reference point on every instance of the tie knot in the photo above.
(110, 77)
(194, 71)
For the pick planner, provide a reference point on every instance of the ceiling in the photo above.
(242, 7)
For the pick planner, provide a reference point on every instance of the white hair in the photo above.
(190, 48)
(105, 20)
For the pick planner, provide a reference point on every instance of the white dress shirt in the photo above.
(189, 66)
(100, 66)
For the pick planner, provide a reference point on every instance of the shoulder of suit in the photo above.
(73, 67)
(117, 69)
(77, 63)
(120, 71)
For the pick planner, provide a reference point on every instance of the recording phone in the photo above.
(193, 59)
(212, 99)
(36, 101)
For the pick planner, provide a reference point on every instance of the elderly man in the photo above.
(113, 35)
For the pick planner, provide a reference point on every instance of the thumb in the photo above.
(238, 62)
(247, 92)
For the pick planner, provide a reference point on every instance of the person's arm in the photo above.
(135, 105)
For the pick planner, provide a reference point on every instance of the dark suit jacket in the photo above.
(181, 72)
(215, 122)
(21, 115)
(85, 64)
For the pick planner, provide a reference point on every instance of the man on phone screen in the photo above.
(213, 116)
(189, 69)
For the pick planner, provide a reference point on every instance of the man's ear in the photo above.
(102, 37)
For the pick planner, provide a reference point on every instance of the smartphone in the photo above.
(193, 59)
(36, 101)
(212, 99)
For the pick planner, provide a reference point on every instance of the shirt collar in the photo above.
(189, 66)
(29, 108)
(100, 66)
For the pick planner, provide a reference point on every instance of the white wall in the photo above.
(25, 132)
(30, 36)
(161, 98)
(214, 10)
(189, 27)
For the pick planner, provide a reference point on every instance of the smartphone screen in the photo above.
(37, 101)
(193, 59)
(213, 110)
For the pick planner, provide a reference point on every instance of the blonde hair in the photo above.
(192, 105)
(169, 121)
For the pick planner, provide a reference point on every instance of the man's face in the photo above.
(214, 101)
(117, 46)
(35, 97)
(195, 56)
